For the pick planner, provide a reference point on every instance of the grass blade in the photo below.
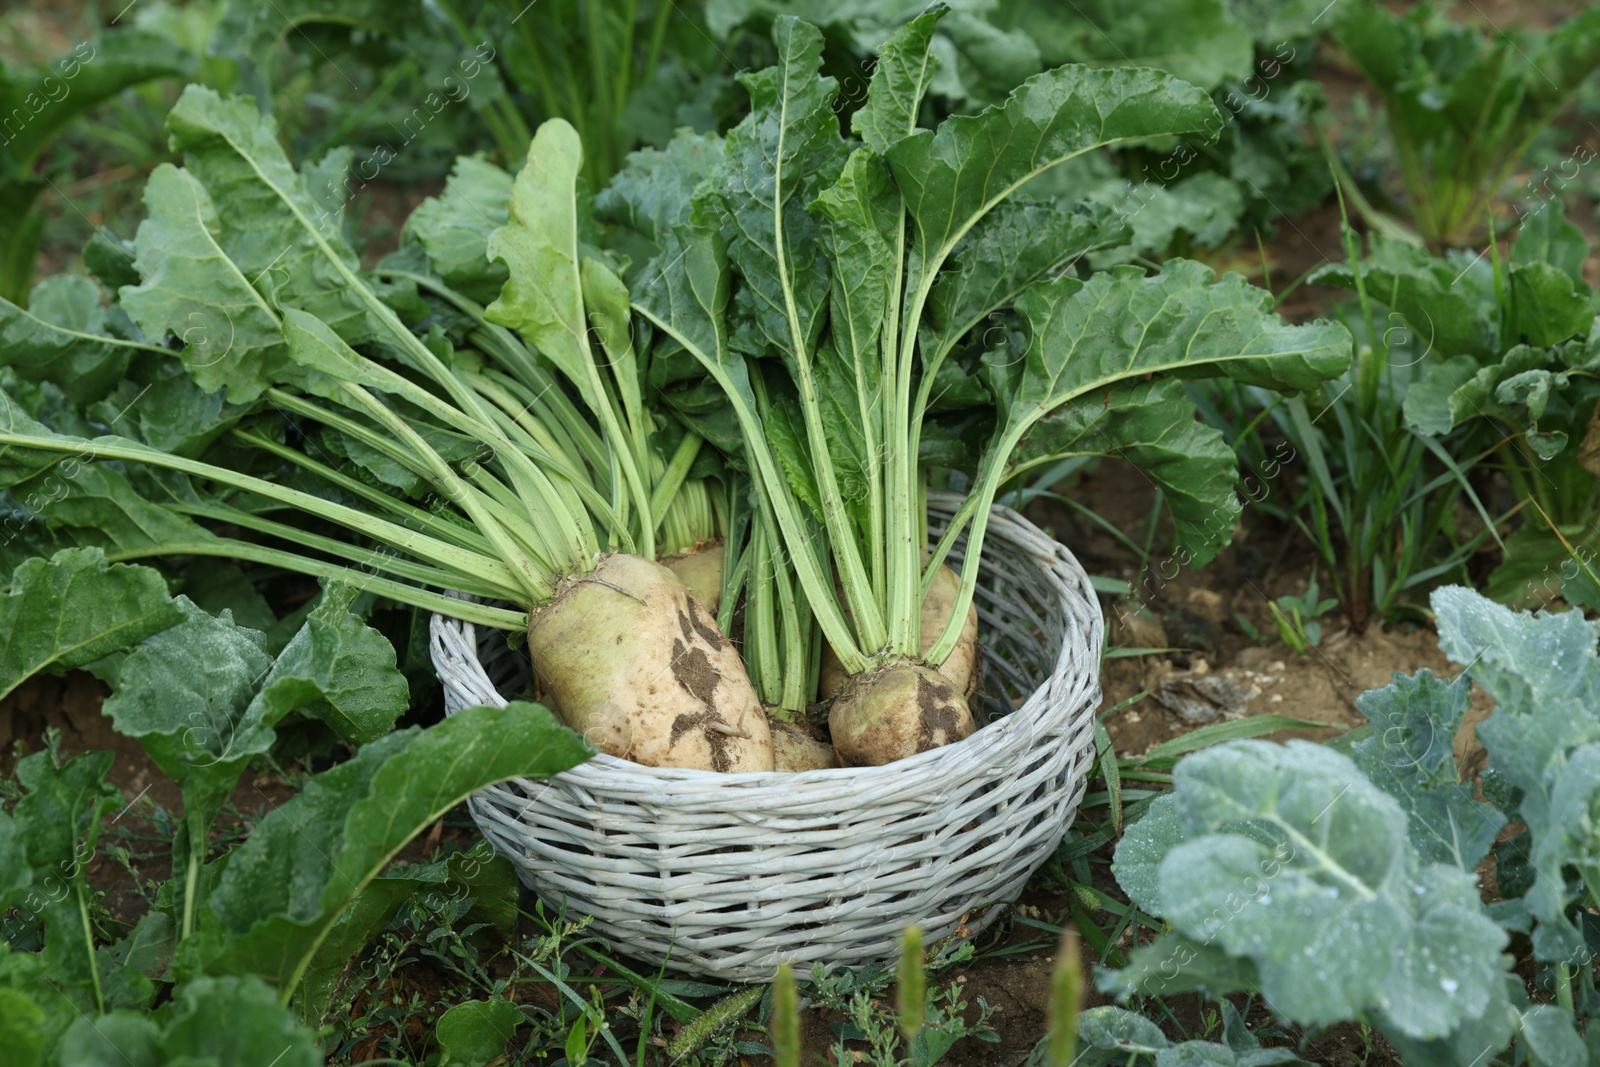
(1234, 730)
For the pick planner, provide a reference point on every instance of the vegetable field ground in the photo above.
(995, 533)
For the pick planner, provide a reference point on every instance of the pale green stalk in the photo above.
(438, 603)
(362, 557)
(808, 567)
(447, 556)
(464, 536)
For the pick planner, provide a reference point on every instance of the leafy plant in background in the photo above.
(624, 74)
(1379, 502)
(39, 103)
(1343, 886)
(1505, 359)
(1253, 163)
(1462, 105)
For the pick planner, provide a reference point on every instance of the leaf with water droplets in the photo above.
(1291, 860)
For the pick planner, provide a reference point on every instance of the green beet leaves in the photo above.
(865, 266)
(283, 891)
(204, 697)
(74, 608)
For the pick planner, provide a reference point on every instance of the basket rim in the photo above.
(613, 773)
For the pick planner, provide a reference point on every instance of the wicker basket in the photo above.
(729, 875)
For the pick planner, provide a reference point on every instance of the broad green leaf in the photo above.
(109, 258)
(63, 337)
(979, 62)
(452, 446)
(1109, 1027)
(17, 463)
(1443, 302)
(1547, 237)
(1537, 567)
(861, 214)
(1431, 404)
(1143, 847)
(1121, 325)
(952, 177)
(606, 299)
(651, 194)
(284, 889)
(543, 298)
(73, 609)
(489, 878)
(1152, 425)
(340, 670)
(454, 227)
(31, 1021)
(220, 1022)
(1297, 863)
(15, 872)
(129, 968)
(1550, 1038)
(1112, 1035)
(1490, 1030)
(117, 1039)
(194, 290)
(1207, 206)
(1548, 305)
(776, 160)
(276, 233)
(1196, 40)
(1546, 394)
(1090, 341)
(905, 66)
(216, 585)
(97, 505)
(204, 698)
(40, 103)
(1544, 737)
(786, 433)
(1013, 246)
(188, 695)
(1175, 963)
(164, 407)
(57, 821)
(474, 1032)
(1147, 217)
(327, 363)
(686, 290)
(1411, 756)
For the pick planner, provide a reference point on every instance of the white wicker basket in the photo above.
(729, 875)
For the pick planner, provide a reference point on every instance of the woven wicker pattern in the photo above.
(728, 875)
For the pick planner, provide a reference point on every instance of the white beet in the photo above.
(895, 711)
(700, 568)
(795, 749)
(634, 663)
(960, 667)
